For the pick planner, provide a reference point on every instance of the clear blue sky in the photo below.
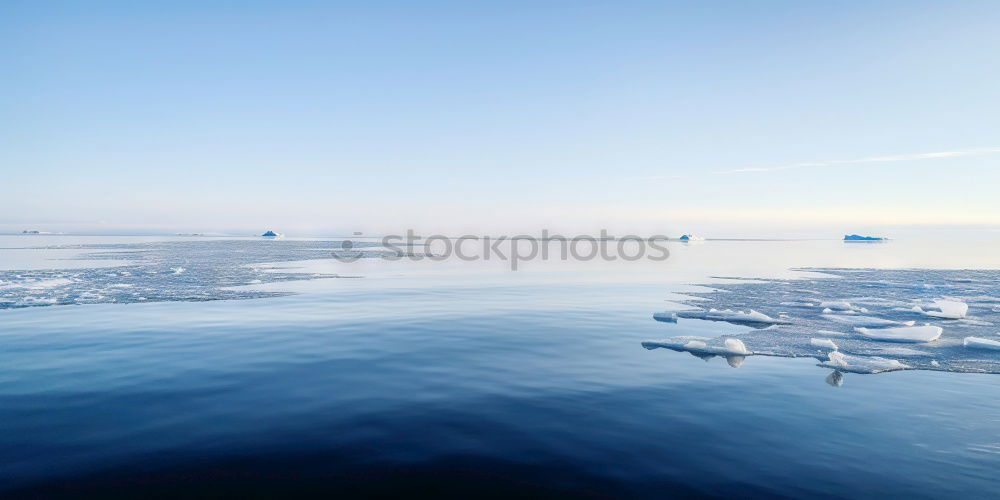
(326, 117)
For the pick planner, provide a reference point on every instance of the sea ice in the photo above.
(836, 305)
(697, 345)
(899, 352)
(868, 321)
(980, 343)
(914, 334)
(880, 332)
(947, 309)
(666, 317)
(824, 343)
(731, 316)
(861, 364)
(832, 332)
(974, 322)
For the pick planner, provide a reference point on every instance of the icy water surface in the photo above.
(182, 270)
(863, 313)
(459, 380)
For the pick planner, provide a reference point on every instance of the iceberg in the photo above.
(732, 316)
(691, 237)
(981, 343)
(858, 237)
(913, 334)
(272, 234)
(861, 364)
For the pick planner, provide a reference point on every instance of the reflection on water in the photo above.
(468, 382)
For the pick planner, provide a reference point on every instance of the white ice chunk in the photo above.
(861, 364)
(695, 345)
(731, 315)
(832, 332)
(914, 334)
(736, 346)
(947, 309)
(899, 352)
(868, 321)
(824, 343)
(837, 305)
(730, 347)
(667, 317)
(981, 343)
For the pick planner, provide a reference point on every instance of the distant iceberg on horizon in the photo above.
(691, 237)
(272, 234)
(858, 237)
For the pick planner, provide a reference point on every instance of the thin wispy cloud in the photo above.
(870, 159)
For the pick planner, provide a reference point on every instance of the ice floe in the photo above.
(700, 345)
(912, 334)
(861, 364)
(897, 352)
(937, 329)
(666, 317)
(824, 343)
(866, 321)
(185, 270)
(731, 316)
(980, 343)
(947, 309)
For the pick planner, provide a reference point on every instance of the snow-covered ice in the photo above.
(172, 270)
(980, 343)
(699, 345)
(866, 321)
(731, 316)
(913, 334)
(948, 309)
(824, 343)
(861, 364)
(938, 329)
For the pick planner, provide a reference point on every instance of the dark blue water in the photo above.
(456, 384)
